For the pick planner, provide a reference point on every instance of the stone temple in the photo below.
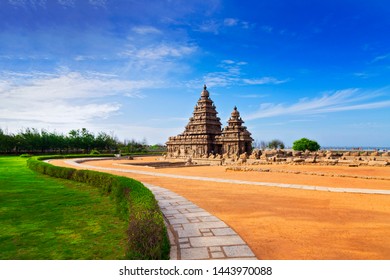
(204, 137)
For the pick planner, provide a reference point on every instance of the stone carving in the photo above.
(244, 156)
(256, 153)
(189, 162)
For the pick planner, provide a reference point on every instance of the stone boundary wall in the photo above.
(346, 158)
(258, 157)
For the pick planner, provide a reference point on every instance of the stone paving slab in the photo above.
(194, 233)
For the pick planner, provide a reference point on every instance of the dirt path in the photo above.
(282, 223)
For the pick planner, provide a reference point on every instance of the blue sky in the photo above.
(315, 69)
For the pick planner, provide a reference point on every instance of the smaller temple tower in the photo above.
(235, 138)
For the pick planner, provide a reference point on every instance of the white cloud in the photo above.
(231, 75)
(66, 97)
(98, 3)
(381, 57)
(67, 3)
(210, 26)
(230, 21)
(35, 4)
(143, 30)
(252, 95)
(228, 61)
(57, 112)
(215, 26)
(17, 3)
(337, 101)
(84, 57)
(264, 81)
(161, 51)
(153, 134)
(362, 75)
(267, 28)
(157, 61)
(246, 25)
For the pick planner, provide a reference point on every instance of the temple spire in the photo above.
(205, 93)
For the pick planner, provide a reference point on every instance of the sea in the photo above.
(373, 148)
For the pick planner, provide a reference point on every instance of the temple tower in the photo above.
(235, 137)
(203, 135)
(198, 138)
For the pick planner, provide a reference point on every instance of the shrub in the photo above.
(146, 235)
(305, 144)
(95, 152)
(25, 155)
(276, 144)
(145, 228)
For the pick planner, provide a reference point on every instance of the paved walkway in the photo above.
(194, 234)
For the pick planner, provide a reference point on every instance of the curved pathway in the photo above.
(194, 234)
(77, 162)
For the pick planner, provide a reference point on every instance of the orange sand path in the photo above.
(280, 223)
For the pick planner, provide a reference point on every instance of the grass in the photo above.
(49, 218)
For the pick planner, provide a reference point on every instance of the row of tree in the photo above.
(32, 140)
(302, 144)
(273, 144)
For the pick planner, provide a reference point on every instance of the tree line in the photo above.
(36, 141)
(302, 144)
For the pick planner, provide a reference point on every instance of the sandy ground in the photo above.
(279, 223)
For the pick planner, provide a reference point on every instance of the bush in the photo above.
(25, 155)
(94, 152)
(74, 156)
(276, 144)
(146, 235)
(305, 144)
(144, 229)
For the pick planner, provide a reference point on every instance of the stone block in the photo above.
(209, 219)
(178, 221)
(223, 231)
(194, 253)
(216, 241)
(378, 163)
(215, 249)
(204, 225)
(173, 253)
(170, 212)
(188, 233)
(217, 255)
(238, 251)
(197, 214)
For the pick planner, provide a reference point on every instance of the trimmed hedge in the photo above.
(73, 156)
(147, 237)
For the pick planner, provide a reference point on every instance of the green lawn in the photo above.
(46, 218)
